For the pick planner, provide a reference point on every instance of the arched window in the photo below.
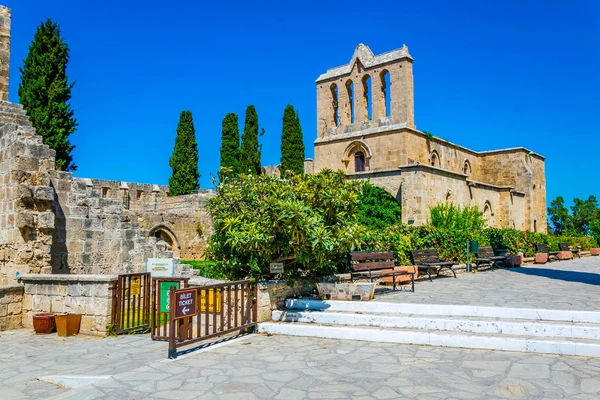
(334, 104)
(435, 159)
(467, 168)
(366, 81)
(359, 161)
(488, 213)
(350, 108)
(385, 98)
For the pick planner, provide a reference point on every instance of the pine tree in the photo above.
(230, 146)
(44, 92)
(250, 151)
(184, 160)
(292, 144)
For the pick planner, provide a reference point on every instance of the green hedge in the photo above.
(208, 268)
(451, 244)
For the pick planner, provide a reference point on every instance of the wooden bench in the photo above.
(543, 248)
(428, 259)
(486, 256)
(376, 264)
(566, 247)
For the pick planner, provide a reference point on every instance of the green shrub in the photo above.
(449, 216)
(307, 221)
(378, 209)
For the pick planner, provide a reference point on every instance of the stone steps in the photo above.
(568, 332)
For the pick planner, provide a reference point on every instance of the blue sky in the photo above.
(487, 74)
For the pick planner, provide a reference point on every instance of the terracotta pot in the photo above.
(44, 323)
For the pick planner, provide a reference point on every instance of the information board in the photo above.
(165, 301)
(160, 267)
(186, 303)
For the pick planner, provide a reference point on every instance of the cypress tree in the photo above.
(292, 145)
(184, 160)
(250, 151)
(44, 92)
(230, 146)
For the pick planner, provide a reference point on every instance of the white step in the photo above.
(592, 317)
(577, 347)
(518, 327)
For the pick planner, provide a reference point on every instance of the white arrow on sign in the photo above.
(185, 310)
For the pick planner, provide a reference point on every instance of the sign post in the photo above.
(186, 303)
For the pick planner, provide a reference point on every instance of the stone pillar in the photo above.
(402, 94)
(4, 51)
(360, 102)
(344, 111)
(376, 97)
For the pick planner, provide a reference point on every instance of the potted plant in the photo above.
(68, 324)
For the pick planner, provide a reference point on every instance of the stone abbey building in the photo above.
(366, 127)
(53, 222)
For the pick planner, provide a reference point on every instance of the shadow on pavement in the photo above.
(563, 275)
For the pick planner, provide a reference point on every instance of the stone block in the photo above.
(564, 255)
(595, 251)
(15, 308)
(3, 310)
(541, 258)
(43, 193)
(45, 220)
(87, 323)
(25, 219)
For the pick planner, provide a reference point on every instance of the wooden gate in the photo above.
(219, 310)
(131, 302)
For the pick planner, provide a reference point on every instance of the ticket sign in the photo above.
(186, 303)
(211, 301)
(165, 293)
(134, 286)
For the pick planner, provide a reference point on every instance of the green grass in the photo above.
(208, 269)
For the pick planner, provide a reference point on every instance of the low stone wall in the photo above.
(272, 295)
(88, 295)
(11, 303)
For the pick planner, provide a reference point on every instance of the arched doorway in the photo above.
(166, 235)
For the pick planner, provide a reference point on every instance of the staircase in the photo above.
(491, 328)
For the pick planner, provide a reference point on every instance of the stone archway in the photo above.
(166, 235)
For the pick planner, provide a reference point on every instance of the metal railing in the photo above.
(222, 308)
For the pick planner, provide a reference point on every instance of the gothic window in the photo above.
(385, 95)
(359, 161)
(435, 159)
(467, 168)
(366, 81)
(334, 104)
(350, 108)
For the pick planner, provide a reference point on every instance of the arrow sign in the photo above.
(186, 303)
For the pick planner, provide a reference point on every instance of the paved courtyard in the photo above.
(569, 285)
(280, 367)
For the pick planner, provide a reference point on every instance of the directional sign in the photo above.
(186, 303)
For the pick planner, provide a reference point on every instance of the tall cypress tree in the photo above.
(184, 160)
(230, 146)
(250, 151)
(292, 145)
(44, 92)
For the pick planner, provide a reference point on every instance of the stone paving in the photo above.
(281, 367)
(568, 285)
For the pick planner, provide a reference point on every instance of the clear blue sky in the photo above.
(487, 74)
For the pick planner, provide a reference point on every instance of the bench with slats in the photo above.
(429, 259)
(486, 256)
(566, 247)
(376, 264)
(543, 248)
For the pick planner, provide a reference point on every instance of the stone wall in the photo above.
(11, 304)
(272, 296)
(26, 217)
(88, 295)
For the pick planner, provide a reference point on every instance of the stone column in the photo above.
(402, 94)
(344, 111)
(4, 51)
(375, 97)
(360, 102)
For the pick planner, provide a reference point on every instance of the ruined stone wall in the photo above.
(26, 217)
(5, 19)
(93, 235)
